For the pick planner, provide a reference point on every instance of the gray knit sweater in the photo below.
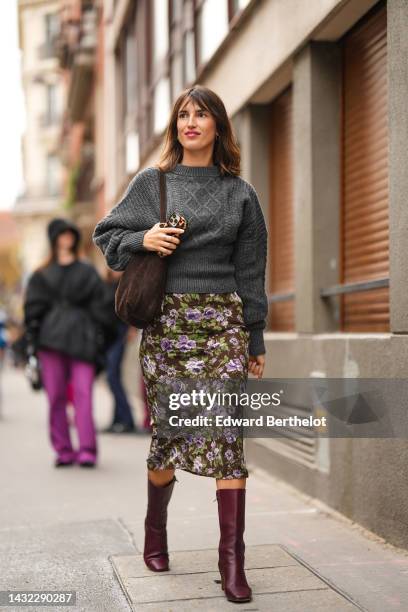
(223, 248)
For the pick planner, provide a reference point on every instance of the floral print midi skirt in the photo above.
(196, 336)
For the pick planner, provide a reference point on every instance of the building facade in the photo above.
(43, 92)
(317, 100)
(78, 56)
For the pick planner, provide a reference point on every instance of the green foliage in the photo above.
(72, 187)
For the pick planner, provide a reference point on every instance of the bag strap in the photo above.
(163, 197)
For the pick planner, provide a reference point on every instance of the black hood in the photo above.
(59, 226)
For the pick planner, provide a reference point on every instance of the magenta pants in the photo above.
(57, 370)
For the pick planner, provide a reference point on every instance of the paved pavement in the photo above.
(83, 530)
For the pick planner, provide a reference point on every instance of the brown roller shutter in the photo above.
(281, 212)
(364, 238)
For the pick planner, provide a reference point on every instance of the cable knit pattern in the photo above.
(223, 248)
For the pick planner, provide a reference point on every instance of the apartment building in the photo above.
(78, 57)
(317, 98)
(43, 92)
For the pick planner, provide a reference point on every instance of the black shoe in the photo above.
(59, 463)
(87, 464)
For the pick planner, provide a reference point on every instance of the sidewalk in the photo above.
(83, 530)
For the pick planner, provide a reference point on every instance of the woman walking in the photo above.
(66, 318)
(213, 313)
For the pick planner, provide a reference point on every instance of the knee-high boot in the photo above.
(231, 514)
(155, 552)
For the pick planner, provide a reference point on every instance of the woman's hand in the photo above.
(160, 239)
(256, 365)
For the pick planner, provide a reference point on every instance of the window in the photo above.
(189, 62)
(189, 51)
(281, 231)
(51, 27)
(128, 97)
(160, 29)
(176, 51)
(161, 79)
(212, 27)
(161, 105)
(51, 105)
(130, 72)
(132, 152)
(364, 213)
(53, 178)
(176, 75)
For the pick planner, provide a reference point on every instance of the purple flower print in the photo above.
(166, 344)
(199, 442)
(209, 312)
(174, 453)
(219, 316)
(170, 370)
(159, 356)
(198, 465)
(210, 456)
(213, 343)
(237, 474)
(193, 314)
(234, 341)
(230, 438)
(234, 365)
(149, 365)
(229, 455)
(185, 343)
(195, 365)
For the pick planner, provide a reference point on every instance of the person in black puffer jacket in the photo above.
(67, 326)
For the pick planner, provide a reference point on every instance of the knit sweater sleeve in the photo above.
(249, 257)
(120, 233)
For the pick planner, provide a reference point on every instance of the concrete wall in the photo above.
(362, 478)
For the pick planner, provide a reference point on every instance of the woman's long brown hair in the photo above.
(226, 153)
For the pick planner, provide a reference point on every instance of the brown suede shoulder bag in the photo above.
(141, 287)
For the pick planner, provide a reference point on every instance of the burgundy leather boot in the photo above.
(155, 552)
(231, 514)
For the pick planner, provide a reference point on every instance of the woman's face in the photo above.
(65, 241)
(198, 121)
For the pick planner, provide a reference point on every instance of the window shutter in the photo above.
(364, 232)
(281, 247)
